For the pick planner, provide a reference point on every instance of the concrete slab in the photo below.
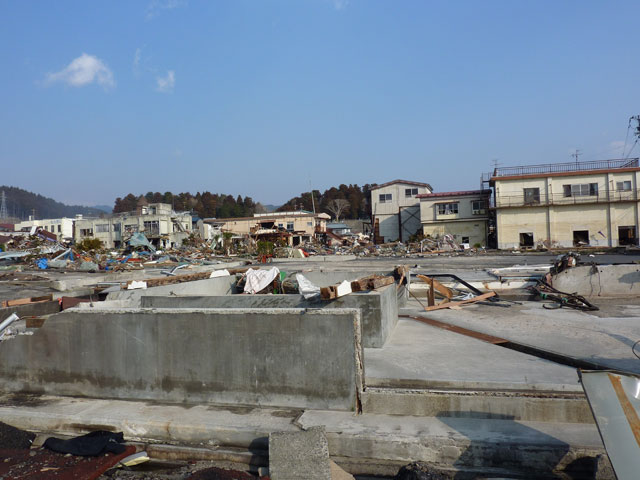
(276, 357)
(210, 286)
(379, 308)
(204, 425)
(420, 356)
(295, 455)
(599, 337)
(496, 446)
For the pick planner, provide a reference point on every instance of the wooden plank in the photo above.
(189, 277)
(445, 291)
(431, 294)
(25, 301)
(479, 298)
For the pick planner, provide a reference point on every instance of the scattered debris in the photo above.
(370, 282)
(561, 299)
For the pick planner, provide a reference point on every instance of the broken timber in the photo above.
(190, 277)
(370, 282)
(479, 298)
(25, 301)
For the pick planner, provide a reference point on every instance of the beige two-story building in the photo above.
(395, 209)
(567, 204)
(463, 215)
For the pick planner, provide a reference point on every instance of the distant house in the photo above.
(7, 227)
(339, 228)
(62, 228)
(297, 227)
(462, 214)
(160, 224)
(395, 209)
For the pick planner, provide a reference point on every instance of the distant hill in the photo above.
(271, 208)
(21, 204)
(104, 208)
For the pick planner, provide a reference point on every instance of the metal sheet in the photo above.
(615, 402)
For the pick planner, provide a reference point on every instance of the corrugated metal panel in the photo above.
(615, 402)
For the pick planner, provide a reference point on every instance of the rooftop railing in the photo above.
(566, 167)
(520, 200)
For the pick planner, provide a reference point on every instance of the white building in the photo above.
(567, 204)
(463, 215)
(62, 227)
(160, 224)
(395, 209)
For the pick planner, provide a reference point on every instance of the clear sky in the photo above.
(261, 98)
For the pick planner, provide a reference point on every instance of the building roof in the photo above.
(404, 182)
(337, 225)
(567, 168)
(461, 193)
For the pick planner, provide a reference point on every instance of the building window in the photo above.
(410, 192)
(290, 226)
(627, 235)
(102, 227)
(116, 227)
(580, 238)
(447, 208)
(152, 227)
(309, 224)
(624, 186)
(133, 228)
(580, 190)
(86, 232)
(465, 240)
(478, 207)
(59, 228)
(385, 197)
(531, 196)
(526, 239)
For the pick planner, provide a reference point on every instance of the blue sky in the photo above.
(262, 98)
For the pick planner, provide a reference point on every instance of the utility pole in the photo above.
(313, 203)
(3, 206)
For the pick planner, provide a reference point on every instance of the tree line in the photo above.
(205, 204)
(343, 202)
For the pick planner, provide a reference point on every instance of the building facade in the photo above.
(395, 209)
(61, 227)
(463, 215)
(159, 223)
(567, 204)
(299, 226)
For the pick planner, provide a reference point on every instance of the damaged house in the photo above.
(293, 228)
(157, 221)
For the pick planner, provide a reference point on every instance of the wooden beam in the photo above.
(479, 298)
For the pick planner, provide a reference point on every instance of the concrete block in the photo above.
(274, 357)
(379, 308)
(210, 286)
(600, 281)
(296, 455)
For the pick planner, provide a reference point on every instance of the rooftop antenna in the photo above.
(3, 206)
(576, 154)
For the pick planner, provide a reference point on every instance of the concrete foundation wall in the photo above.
(379, 309)
(605, 281)
(280, 357)
(210, 286)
